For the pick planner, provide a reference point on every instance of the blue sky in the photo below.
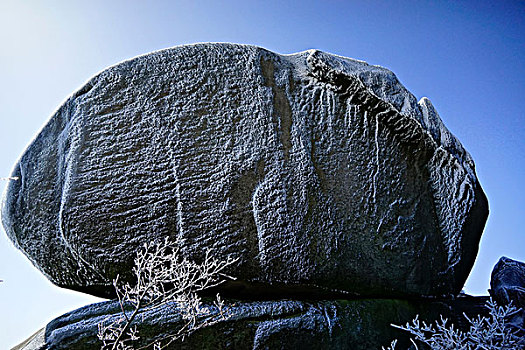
(467, 57)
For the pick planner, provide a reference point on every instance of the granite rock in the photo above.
(507, 286)
(317, 171)
(284, 324)
(507, 282)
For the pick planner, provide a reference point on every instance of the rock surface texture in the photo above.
(316, 171)
(285, 324)
(507, 286)
(507, 282)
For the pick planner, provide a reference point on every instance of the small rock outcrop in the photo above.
(507, 282)
(284, 324)
(507, 286)
(317, 172)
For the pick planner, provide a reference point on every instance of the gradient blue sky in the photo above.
(467, 57)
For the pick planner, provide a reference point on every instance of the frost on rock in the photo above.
(318, 172)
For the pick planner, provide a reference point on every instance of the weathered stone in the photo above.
(507, 286)
(507, 282)
(315, 170)
(286, 324)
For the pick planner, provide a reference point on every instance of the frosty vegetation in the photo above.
(485, 333)
(14, 178)
(163, 275)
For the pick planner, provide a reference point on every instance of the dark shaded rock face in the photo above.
(315, 170)
(356, 324)
(507, 282)
(507, 286)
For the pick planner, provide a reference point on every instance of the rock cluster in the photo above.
(318, 172)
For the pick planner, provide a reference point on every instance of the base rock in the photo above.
(285, 324)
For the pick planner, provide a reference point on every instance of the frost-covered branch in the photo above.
(162, 275)
(12, 178)
(485, 333)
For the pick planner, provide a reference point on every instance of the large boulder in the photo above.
(285, 324)
(315, 170)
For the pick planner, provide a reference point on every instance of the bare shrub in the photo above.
(485, 333)
(163, 275)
